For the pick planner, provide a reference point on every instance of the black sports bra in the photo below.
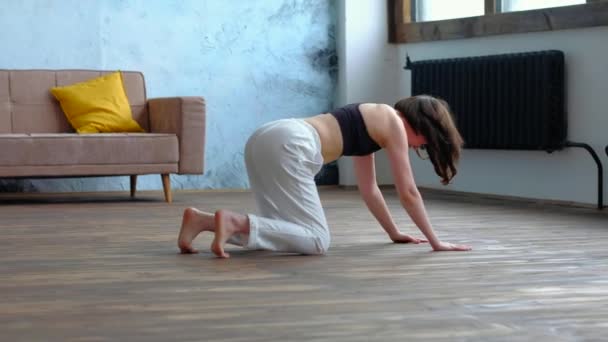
(356, 139)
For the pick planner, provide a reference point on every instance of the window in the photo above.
(428, 10)
(429, 20)
(522, 5)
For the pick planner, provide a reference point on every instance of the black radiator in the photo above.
(510, 101)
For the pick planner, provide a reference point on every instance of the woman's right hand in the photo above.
(446, 246)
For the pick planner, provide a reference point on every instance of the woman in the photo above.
(282, 158)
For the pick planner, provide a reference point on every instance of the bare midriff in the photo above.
(330, 134)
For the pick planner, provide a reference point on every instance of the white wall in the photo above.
(369, 68)
(569, 175)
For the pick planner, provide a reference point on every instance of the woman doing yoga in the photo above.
(282, 158)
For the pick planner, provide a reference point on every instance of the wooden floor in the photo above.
(101, 267)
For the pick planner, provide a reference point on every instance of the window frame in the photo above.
(403, 29)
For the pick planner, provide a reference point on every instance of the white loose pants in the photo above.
(282, 159)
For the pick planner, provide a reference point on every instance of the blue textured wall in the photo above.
(254, 61)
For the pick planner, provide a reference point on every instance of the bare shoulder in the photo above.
(382, 122)
(377, 108)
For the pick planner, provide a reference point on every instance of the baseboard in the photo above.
(483, 196)
(444, 193)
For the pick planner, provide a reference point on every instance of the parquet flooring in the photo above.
(101, 267)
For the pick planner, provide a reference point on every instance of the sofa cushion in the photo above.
(27, 106)
(90, 149)
(97, 105)
(33, 108)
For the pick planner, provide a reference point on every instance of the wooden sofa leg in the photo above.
(133, 182)
(167, 187)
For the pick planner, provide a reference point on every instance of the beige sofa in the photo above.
(36, 140)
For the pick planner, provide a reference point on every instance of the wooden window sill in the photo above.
(547, 19)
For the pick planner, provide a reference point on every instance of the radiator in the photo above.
(509, 101)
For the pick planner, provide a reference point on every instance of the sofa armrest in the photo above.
(185, 117)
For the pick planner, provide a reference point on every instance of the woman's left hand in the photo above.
(404, 238)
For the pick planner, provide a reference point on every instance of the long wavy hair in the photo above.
(431, 117)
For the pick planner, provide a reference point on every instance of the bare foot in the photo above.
(227, 223)
(193, 223)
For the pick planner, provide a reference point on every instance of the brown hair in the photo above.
(431, 117)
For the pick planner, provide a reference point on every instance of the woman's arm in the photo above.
(396, 147)
(365, 172)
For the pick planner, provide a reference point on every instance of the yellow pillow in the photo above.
(97, 105)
